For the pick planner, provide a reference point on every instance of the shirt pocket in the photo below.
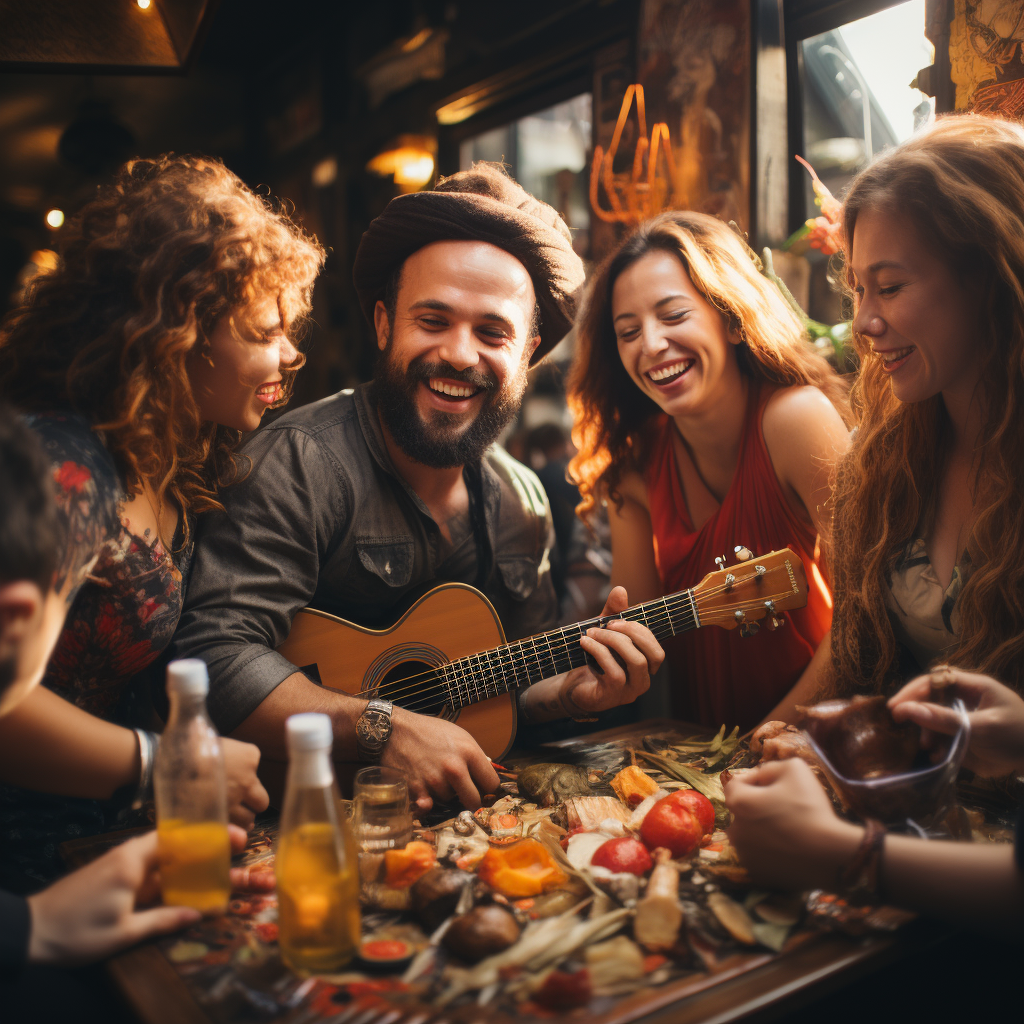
(520, 575)
(391, 561)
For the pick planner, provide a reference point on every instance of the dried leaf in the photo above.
(733, 918)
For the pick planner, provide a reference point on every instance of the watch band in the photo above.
(373, 729)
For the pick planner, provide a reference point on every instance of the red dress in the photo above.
(718, 676)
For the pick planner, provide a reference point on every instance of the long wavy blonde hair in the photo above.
(147, 269)
(960, 182)
(611, 414)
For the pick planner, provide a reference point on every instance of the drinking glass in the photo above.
(382, 812)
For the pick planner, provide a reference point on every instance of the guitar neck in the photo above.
(491, 673)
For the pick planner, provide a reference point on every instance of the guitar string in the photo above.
(427, 694)
(680, 602)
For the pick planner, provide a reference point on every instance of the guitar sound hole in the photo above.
(414, 685)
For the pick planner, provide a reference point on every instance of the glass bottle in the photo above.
(191, 797)
(316, 863)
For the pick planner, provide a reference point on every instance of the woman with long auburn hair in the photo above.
(929, 536)
(167, 330)
(707, 422)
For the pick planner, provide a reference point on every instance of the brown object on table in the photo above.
(860, 737)
(481, 933)
(436, 895)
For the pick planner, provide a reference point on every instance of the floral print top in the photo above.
(126, 590)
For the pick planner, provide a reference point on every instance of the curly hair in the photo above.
(612, 415)
(960, 182)
(147, 269)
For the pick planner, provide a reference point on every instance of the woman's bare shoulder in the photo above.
(801, 417)
(632, 488)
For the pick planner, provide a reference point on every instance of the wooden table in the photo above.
(756, 986)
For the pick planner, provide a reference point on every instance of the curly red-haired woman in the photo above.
(705, 419)
(167, 330)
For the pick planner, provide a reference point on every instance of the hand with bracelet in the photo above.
(789, 837)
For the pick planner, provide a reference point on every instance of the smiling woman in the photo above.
(721, 432)
(928, 500)
(165, 332)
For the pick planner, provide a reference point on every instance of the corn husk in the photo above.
(543, 944)
(589, 812)
(615, 964)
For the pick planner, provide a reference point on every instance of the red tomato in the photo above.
(625, 854)
(698, 804)
(671, 824)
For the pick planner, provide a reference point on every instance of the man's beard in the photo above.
(444, 441)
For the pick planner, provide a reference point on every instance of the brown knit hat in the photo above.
(481, 205)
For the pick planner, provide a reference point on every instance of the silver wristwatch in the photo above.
(373, 729)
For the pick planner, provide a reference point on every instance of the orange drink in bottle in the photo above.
(191, 797)
(195, 858)
(316, 862)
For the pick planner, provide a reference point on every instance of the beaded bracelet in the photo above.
(860, 880)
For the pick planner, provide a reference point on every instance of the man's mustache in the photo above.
(474, 378)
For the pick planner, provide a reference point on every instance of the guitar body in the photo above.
(448, 622)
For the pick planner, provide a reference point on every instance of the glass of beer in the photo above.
(382, 812)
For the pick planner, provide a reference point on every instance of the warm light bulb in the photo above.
(414, 169)
(144, 4)
(55, 218)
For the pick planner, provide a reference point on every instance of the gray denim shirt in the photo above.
(323, 519)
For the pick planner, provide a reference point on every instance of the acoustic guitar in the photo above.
(447, 655)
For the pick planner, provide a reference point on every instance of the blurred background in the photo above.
(336, 107)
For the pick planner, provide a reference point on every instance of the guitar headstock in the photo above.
(742, 594)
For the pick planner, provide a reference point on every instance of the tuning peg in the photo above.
(740, 615)
(748, 629)
(743, 553)
(720, 561)
(775, 619)
(729, 581)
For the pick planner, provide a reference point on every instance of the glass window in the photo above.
(858, 99)
(857, 102)
(548, 153)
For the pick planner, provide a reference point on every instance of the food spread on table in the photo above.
(578, 886)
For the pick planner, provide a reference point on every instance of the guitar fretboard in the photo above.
(491, 673)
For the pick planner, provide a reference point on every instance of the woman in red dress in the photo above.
(722, 431)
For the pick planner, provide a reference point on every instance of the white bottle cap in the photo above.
(309, 731)
(188, 678)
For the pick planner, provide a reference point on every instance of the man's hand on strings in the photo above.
(623, 656)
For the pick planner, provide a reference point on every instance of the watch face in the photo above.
(374, 728)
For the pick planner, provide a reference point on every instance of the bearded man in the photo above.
(357, 501)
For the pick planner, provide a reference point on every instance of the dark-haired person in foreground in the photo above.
(355, 501)
(105, 906)
(91, 913)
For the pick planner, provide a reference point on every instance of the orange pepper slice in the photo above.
(522, 869)
(403, 867)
